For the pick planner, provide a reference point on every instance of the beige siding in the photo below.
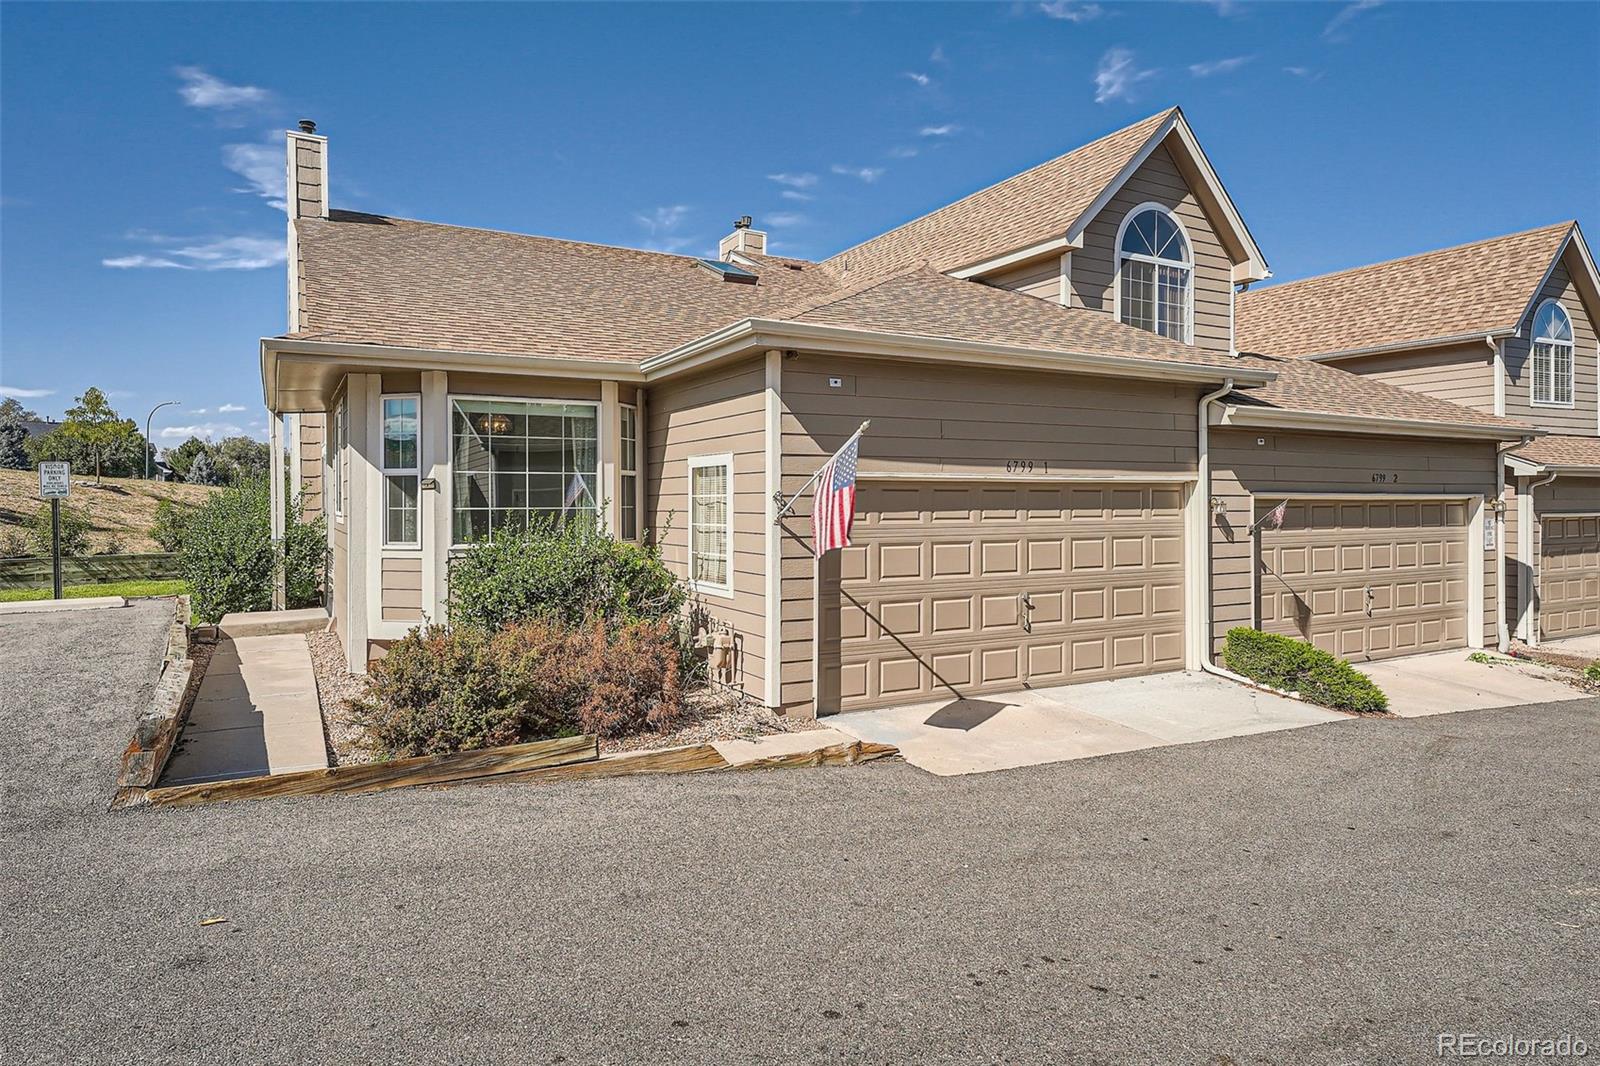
(1246, 474)
(1462, 374)
(1583, 417)
(339, 577)
(957, 421)
(1094, 265)
(722, 411)
(312, 427)
(401, 588)
(1041, 279)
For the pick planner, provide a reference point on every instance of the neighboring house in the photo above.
(1063, 477)
(39, 427)
(1506, 327)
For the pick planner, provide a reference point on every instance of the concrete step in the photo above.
(274, 623)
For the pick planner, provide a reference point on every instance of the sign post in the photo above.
(55, 485)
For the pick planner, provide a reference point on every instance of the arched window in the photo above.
(1155, 273)
(1552, 355)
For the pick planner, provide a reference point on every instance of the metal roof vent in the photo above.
(728, 271)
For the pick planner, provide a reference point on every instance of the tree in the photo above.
(93, 425)
(201, 471)
(13, 434)
(181, 457)
(238, 458)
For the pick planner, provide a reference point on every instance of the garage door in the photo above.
(1569, 577)
(960, 589)
(1366, 580)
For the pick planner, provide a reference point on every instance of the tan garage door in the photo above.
(1569, 576)
(960, 589)
(1366, 580)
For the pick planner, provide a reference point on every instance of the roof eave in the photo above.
(1408, 345)
(1324, 422)
(756, 333)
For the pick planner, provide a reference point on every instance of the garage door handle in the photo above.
(1370, 597)
(1027, 605)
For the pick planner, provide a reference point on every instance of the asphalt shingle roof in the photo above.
(1454, 292)
(1033, 206)
(1562, 451)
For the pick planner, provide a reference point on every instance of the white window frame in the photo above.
(1572, 359)
(341, 439)
(699, 462)
(628, 467)
(1118, 255)
(450, 445)
(386, 471)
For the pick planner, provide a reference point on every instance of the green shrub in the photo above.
(15, 543)
(1592, 671)
(439, 690)
(171, 521)
(1286, 663)
(571, 573)
(227, 553)
(75, 527)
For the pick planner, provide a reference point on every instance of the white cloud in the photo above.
(1218, 66)
(203, 430)
(222, 253)
(937, 55)
(794, 181)
(1227, 8)
(921, 79)
(200, 89)
(1117, 75)
(1335, 29)
(797, 196)
(662, 224)
(262, 166)
(1304, 72)
(904, 151)
(197, 410)
(785, 218)
(866, 174)
(940, 131)
(1069, 11)
(229, 408)
(14, 393)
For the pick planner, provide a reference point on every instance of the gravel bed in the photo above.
(335, 686)
(1570, 666)
(714, 714)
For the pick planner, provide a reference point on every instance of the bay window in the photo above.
(517, 460)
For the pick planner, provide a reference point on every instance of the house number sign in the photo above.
(1027, 466)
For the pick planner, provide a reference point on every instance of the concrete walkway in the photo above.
(1447, 681)
(1076, 722)
(1586, 645)
(256, 713)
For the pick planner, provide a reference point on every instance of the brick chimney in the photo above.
(308, 172)
(742, 239)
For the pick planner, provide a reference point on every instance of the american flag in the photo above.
(833, 508)
(1274, 518)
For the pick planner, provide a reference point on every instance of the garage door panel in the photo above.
(994, 588)
(1367, 580)
(1569, 576)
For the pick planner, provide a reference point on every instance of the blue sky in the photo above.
(140, 144)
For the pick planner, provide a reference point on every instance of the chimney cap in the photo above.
(743, 222)
(307, 126)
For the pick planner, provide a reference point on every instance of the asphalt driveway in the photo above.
(1336, 894)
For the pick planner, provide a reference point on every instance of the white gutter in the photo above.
(1402, 346)
(1321, 421)
(847, 340)
(1502, 629)
(1533, 620)
(1203, 577)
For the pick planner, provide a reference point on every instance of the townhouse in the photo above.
(1503, 326)
(1072, 472)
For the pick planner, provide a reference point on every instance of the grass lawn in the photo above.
(124, 508)
(110, 588)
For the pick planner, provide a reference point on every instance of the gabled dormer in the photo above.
(1136, 225)
(1505, 326)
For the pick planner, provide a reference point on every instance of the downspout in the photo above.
(1203, 487)
(1533, 618)
(1502, 629)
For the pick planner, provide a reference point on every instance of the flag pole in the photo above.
(1257, 523)
(787, 505)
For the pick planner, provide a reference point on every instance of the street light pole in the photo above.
(147, 418)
